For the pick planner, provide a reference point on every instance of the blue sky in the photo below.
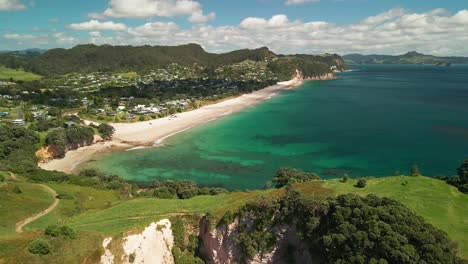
(287, 26)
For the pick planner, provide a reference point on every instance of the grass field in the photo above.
(17, 75)
(15, 207)
(82, 201)
(440, 204)
(140, 212)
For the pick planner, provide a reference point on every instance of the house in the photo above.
(19, 122)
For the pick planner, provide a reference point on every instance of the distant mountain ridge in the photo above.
(107, 58)
(412, 57)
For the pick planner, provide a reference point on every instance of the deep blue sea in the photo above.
(376, 120)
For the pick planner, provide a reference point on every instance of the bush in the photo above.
(39, 247)
(64, 231)
(131, 258)
(17, 189)
(52, 230)
(107, 131)
(285, 176)
(345, 179)
(361, 183)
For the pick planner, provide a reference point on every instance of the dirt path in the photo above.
(21, 224)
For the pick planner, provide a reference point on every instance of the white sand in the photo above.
(131, 135)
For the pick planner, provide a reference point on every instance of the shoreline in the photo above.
(132, 136)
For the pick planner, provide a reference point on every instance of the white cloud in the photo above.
(299, 2)
(8, 5)
(395, 31)
(160, 8)
(52, 38)
(94, 25)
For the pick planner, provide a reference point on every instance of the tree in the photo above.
(361, 183)
(415, 171)
(107, 131)
(39, 247)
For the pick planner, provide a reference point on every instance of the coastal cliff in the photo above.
(153, 245)
(221, 246)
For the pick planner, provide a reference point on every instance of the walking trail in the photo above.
(23, 223)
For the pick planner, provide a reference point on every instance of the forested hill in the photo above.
(106, 58)
(407, 58)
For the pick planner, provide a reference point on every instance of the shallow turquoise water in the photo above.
(373, 121)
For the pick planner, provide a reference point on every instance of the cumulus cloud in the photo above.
(95, 25)
(299, 2)
(8, 5)
(160, 8)
(395, 31)
(52, 38)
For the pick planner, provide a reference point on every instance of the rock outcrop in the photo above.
(153, 245)
(219, 245)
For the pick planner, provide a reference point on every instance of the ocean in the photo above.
(376, 120)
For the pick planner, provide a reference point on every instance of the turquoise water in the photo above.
(373, 121)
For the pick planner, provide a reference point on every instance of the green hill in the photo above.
(107, 58)
(407, 58)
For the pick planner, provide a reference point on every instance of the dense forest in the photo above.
(344, 229)
(106, 58)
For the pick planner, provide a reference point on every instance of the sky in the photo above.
(285, 26)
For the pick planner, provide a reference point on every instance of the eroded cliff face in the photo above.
(219, 245)
(153, 245)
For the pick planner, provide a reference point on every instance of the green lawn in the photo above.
(440, 204)
(16, 207)
(17, 75)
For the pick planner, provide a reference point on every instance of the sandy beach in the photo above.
(153, 132)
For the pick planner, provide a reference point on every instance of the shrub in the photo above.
(64, 231)
(107, 131)
(17, 189)
(68, 232)
(345, 178)
(52, 230)
(39, 247)
(131, 258)
(361, 183)
(285, 176)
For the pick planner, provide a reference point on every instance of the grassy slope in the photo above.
(439, 203)
(16, 207)
(17, 75)
(96, 213)
(84, 201)
(140, 212)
